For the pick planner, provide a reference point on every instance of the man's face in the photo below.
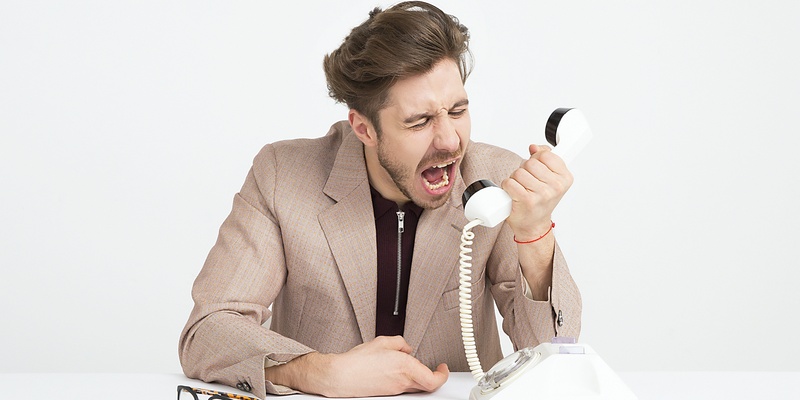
(424, 134)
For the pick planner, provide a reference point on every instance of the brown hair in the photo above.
(407, 39)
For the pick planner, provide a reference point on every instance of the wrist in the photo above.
(314, 374)
(535, 234)
(305, 373)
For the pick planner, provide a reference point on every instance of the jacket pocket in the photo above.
(450, 297)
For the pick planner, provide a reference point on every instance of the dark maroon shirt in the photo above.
(387, 222)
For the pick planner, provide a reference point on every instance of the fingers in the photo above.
(532, 176)
(542, 172)
(419, 377)
(547, 157)
(536, 188)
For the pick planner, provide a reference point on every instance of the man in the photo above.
(353, 238)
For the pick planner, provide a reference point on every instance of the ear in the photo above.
(363, 128)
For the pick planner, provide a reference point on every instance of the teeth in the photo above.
(444, 182)
(443, 165)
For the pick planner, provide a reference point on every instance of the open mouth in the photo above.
(438, 176)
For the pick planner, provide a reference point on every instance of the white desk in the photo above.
(646, 385)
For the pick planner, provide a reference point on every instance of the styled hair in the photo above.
(405, 40)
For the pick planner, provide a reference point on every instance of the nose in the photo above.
(446, 136)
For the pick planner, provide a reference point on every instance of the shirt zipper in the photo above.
(400, 217)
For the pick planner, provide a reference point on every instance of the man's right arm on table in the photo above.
(382, 366)
(224, 340)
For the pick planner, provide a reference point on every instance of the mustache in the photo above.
(438, 158)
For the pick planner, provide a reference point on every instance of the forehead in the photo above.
(437, 88)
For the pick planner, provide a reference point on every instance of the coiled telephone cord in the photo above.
(465, 300)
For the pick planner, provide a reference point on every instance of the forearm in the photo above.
(536, 262)
(227, 347)
(530, 320)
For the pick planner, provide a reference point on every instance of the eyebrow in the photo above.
(419, 116)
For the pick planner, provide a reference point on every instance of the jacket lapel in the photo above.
(349, 226)
(436, 255)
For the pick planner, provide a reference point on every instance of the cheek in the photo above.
(409, 152)
(417, 148)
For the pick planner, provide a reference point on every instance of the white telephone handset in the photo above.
(561, 369)
(568, 132)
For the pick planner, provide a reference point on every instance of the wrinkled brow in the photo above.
(419, 116)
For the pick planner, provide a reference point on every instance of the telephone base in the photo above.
(552, 371)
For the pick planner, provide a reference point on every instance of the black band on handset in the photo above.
(474, 188)
(552, 125)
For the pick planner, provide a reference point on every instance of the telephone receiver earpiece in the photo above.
(566, 130)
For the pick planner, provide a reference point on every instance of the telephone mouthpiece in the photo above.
(487, 202)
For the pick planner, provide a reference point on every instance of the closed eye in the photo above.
(424, 123)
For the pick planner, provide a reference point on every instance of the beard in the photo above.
(404, 178)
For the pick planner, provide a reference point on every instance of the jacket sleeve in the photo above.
(529, 322)
(224, 340)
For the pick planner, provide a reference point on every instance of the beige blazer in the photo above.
(301, 238)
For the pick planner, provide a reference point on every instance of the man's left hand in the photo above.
(536, 187)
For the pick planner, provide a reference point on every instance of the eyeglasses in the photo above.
(215, 395)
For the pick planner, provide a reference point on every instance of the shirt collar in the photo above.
(381, 206)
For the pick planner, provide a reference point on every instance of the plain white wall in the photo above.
(127, 126)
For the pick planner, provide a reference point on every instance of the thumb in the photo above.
(535, 148)
(429, 382)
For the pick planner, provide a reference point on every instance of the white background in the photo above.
(127, 126)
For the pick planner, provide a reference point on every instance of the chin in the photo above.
(431, 203)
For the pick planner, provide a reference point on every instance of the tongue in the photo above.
(433, 174)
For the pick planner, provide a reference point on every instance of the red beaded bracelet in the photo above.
(552, 225)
